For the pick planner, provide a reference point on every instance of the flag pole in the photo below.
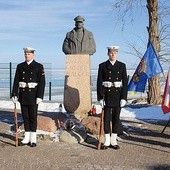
(167, 108)
(165, 126)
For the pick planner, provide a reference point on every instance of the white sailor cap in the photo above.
(113, 48)
(28, 50)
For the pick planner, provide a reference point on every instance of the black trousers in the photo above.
(29, 114)
(112, 115)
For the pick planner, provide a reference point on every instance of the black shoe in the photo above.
(33, 145)
(23, 144)
(115, 146)
(104, 147)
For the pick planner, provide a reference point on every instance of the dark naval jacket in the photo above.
(112, 73)
(33, 78)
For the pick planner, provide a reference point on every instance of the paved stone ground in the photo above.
(144, 148)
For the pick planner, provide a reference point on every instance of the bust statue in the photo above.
(79, 40)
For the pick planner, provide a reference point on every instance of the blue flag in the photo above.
(148, 67)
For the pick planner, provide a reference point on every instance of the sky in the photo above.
(43, 24)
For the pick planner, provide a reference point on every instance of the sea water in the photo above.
(54, 89)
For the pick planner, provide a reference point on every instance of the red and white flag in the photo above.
(166, 95)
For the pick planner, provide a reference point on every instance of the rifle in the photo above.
(101, 129)
(16, 125)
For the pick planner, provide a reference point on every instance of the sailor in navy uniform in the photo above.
(28, 89)
(112, 83)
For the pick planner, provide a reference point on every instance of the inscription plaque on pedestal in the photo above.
(77, 87)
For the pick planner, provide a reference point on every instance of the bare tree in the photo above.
(153, 83)
(158, 34)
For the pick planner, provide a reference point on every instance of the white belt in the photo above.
(117, 84)
(29, 85)
(109, 84)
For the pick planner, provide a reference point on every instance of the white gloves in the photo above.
(122, 103)
(38, 100)
(14, 99)
(107, 84)
(101, 103)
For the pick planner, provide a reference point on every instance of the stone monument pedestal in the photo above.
(77, 87)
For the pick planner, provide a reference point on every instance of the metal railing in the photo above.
(54, 88)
